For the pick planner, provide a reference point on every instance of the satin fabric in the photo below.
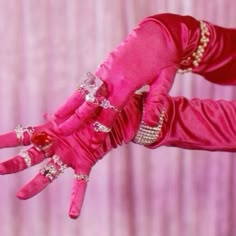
(199, 124)
(79, 151)
(218, 64)
(152, 54)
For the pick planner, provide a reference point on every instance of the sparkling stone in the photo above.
(41, 139)
(105, 103)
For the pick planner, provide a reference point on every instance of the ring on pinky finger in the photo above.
(81, 177)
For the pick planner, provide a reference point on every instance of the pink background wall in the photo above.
(46, 47)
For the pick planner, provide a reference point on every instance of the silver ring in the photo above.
(57, 160)
(98, 127)
(25, 155)
(106, 104)
(20, 132)
(51, 170)
(91, 98)
(81, 177)
(90, 84)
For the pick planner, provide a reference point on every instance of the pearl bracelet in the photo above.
(196, 57)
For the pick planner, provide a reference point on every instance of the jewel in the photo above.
(105, 103)
(90, 98)
(42, 140)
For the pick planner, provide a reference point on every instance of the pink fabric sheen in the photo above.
(159, 43)
(35, 186)
(46, 48)
(137, 61)
(79, 151)
(17, 163)
(220, 56)
(8, 140)
(199, 124)
(151, 54)
(77, 198)
(68, 108)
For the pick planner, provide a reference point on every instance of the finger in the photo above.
(35, 186)
(48, 173)
(89, 87)
(104, 112)
(85, 112)
(77, 198)
(156, 98)
(73, 102)
(9, 140)
(20, 136)
(25, 159)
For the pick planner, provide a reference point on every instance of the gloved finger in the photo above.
(20, 136)
(77, 197)
(25, 159)
(102, 110)
(89, 87)
(35, 186)
(155, 101)
(72, 103)
(48, 173)
(84, 113)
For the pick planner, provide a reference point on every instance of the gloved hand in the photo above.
(141, 59)
(80, 151)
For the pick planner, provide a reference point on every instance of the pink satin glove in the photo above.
(141, 59)
(192, 124)
(80, 151)
(151, 54)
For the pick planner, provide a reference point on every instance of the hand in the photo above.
(141, 59)
(80, 151)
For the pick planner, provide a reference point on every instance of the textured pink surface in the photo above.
(46, 46)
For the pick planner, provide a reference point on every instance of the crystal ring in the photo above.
(106, 104)
(56, 159)
(49, 171)
(81, 177)
(52, 170)
(90, 84)
(91, 98)
(25, 155)
(98, 127)
(22, 131)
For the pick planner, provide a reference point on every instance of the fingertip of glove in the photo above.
(21, 196)
(74, 215)
(3, 170)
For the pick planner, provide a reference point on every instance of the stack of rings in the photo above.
(52, 170)
(88, 89)
(26, 157)
(23, 132)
